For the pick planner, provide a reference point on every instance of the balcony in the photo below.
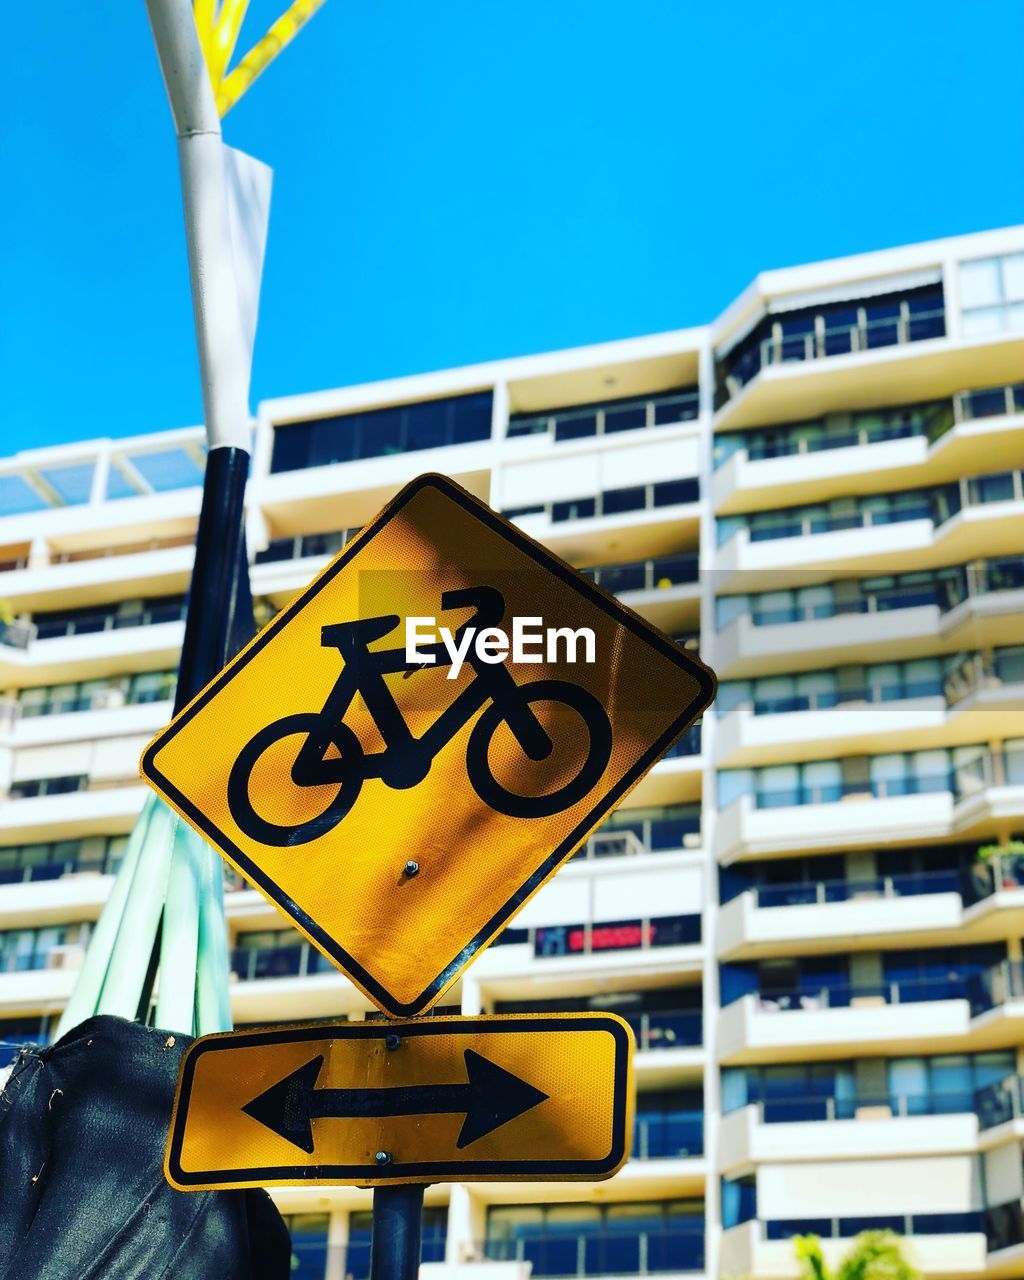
(967, 1012)
(610, 418)
(780, 1130)
(780, 632)
(646, 518)
(678, 1135)
(103, 809)
(632, 832)
(980, 514)
(664, 588)
(667, 1029)
(881, 450)
(835, 331)
(59, 580)
(953, 1244)
(776, 920)
(975, 904)
(887, 351)
(288, 982)
(612, 1253)
(833, 818)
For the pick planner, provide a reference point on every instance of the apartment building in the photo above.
(822, 492)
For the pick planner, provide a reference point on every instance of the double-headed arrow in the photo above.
(490, 1098)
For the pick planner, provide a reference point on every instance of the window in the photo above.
(376, 433)
(34, 788)
(992, 294)
(946, 1083)
(608, 417)
(592, 1239)
(25, 949)
(308, 1233)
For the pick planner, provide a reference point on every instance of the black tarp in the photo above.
(83, 1126)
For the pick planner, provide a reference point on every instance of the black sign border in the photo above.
(443, 1170)
(618, 611)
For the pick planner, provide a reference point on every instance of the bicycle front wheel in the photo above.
(594, 759)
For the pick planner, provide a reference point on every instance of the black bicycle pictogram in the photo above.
(406, 760)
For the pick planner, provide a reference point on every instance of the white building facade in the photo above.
(822, 492)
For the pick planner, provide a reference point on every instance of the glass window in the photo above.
(980, 283)
(380, 432)
(309, 1245)
(1013, 277)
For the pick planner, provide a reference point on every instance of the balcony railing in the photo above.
(39, 871)
(667, 1028)
(931, 420)
(946, 592)
(686, 745)
(306, 544)
(676, 1136)
(904, 1224)
(827, 699)
(1000, 1102)
(90, 624)
(675, 830)
(17, 635)
(825, 340)
(844, 995)
(819, 892)
(877, 789)
(294, 960)
(123, 549)
(989, 402)
(993, 1104)
(610, 1253)
(977, 671)
(608, 419)
(614, 502)
(1004, 1225)
(999, 985)
(936, 505)
(662, 573)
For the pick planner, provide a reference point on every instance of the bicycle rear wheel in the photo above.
(309, 724)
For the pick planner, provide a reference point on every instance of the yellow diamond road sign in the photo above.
(435, 1100)
(401, 809)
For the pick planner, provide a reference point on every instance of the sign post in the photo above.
(385, 737)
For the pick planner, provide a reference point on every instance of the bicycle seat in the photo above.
(362, 631)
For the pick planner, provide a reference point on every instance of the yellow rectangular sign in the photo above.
(531, 1096)
(401, 809)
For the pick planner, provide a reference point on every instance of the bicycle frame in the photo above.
(405, 760)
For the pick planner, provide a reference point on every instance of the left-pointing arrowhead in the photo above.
(496, 1096)
(284, 1108)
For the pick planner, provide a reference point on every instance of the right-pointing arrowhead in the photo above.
(284, 1108)
(496, 1096)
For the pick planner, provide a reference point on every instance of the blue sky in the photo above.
(462, 180)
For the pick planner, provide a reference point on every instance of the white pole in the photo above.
(223, 356)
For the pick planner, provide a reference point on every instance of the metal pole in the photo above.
(194, 924)
(397, 1231)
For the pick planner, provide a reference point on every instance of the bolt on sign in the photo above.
(532, 1096)
(418, 741)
